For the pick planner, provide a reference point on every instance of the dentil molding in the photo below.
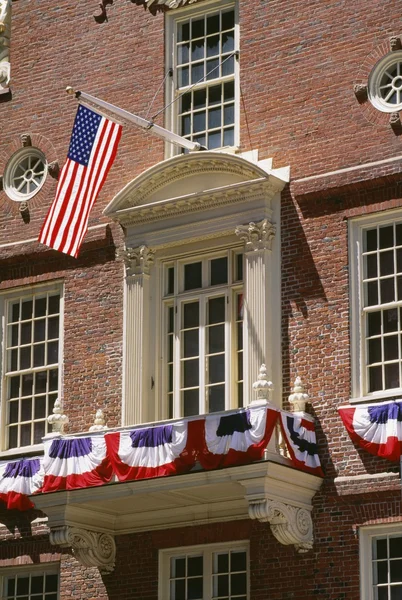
(90, 548)
(290, 525)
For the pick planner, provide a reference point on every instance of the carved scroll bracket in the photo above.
(138, 261)
(257, 236)
(90, 548)
(289, 524)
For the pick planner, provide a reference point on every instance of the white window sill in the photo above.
(395, 394)
(24, 451)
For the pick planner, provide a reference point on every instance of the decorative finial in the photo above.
(57, 420)
(298, 399)
(99, 422)
(262, 386)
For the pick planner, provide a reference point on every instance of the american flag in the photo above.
(93, 147)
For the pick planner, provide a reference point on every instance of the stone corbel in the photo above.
(257, 236)
(90, 548)
(290, 525)
(138, 261)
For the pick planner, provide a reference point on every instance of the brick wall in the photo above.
(299, 61)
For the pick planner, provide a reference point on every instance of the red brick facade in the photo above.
(299, 62)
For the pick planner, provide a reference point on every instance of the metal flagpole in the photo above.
(143, 123)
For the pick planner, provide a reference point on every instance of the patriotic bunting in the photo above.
(301, 442)
(376, 427)
(150, 452)
(18, 480)
(237, 438)
(75, 463)
(214, 441)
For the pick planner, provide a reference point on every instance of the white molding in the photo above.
(191, 499)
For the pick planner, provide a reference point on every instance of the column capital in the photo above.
(138, 261)
(257, 236)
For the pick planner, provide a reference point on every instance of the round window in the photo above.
(25, 174)
(385, 83)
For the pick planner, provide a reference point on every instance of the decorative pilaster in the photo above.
(90, 548)
(259, 301)
(138, 262)
(5, 35)
(289, 524)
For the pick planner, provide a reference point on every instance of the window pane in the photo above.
(228, 41)
(387, 290)
(195, 589)
(375, 379)
(228, 137)
(193, 276)
(391, 351)
(213, 45)
(216, 368)
(216, 398)
(190, 373)
(216, 310)
(238, 582)
(197, 29)
(386, 263)
(197, 50)
(22, 585)
(371, 265)
(190, 403)
(212, 24)
(191, 315)
(390, 320)
(228, 20)
(395, 548)
(386, 236)
(200, 99)
(238, 561)
(219, 271)
(51, 583)
(191, 343)
(391, 375)
(380, 549)
(194, 566)
(216, 339)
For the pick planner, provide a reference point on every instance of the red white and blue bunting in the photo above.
(376, 427)
(75, 463)
(237, 438)
(150, 452)
(215, 441)
(300, 437)
(18, 480)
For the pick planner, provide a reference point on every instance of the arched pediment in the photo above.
(189, 177)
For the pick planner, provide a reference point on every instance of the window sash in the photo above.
(30, 580)
(215, 124)
(32, 336)
(214, 382)
(219, 576)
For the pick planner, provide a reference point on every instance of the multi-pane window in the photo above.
(37, 585)
(387, 567)
(203, 323)
(205, 73)
(382, 305)
(31, 364)
(210, 573)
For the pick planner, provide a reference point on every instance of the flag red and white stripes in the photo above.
(92, 150)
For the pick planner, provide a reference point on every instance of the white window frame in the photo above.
(207, 552)
(5, 298)
(31, 570)
(176, 300)
(366, 537)
(357, 228)
(171, 20)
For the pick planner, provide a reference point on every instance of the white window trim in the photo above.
(5, 296)
(366, 535)
(52, 568)
(387, 61)
(171, 113)
(166, 554)
(357, 340)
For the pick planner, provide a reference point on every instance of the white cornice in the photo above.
(138, 197)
